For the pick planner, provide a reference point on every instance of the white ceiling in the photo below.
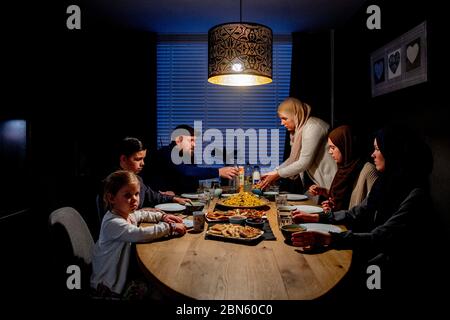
(197, 16)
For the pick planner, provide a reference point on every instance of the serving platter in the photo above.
(234, 229)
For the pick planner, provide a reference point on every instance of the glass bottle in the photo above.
(256, 177)
(241, 178)
(248, 178)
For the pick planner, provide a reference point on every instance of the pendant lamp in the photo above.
(240, 54)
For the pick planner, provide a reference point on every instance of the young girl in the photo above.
(120, 228)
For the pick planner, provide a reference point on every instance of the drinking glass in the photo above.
(284, 217)
(205, 198)
(281, 200)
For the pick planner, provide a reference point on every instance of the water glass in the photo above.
(205, 198)
(199, 221)
(284, 217)
(281, 200)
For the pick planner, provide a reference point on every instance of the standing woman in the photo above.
(308, 146)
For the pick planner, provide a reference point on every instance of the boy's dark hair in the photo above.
(129, 145)
(186, 127)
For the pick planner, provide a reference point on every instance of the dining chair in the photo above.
(72, 244)
(78, 231)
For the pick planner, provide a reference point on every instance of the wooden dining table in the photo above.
(194, 267)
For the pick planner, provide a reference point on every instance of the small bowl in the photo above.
(195, 206)
(255, 222)
(237, 220)
(289, 229)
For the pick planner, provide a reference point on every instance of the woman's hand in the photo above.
(328, 205)
(300, 216)
(170, 218)
(268, 178)
(316, 190)
(181, 200)
(309, 240)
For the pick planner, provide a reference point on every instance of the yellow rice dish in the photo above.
(244, 199)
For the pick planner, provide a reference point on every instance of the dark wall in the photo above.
(423, 107)
(80, 91)
(311, 72)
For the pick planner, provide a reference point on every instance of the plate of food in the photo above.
(243, 200)
(234, 231)
(296, 197)
(219, 215)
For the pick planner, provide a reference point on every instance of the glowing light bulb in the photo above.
(236, 67)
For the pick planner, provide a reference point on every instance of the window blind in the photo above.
(184, 95)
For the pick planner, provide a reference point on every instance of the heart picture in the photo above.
(411, 52)
(394, 64)
(412, 60)
(378, 71)
(401, 63)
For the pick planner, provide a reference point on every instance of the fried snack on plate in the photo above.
(234, 231)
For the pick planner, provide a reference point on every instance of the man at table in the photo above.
(164, 174)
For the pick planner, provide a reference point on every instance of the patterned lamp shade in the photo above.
(240, 54)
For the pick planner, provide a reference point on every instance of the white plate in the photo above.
(287, 208)
(308, 209)
(296, 197)
(226, 195)
(271, 193)
(190, 195)
(170, 207)
(188, 223)
(323, 227)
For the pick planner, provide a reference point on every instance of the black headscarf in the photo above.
(408, 162)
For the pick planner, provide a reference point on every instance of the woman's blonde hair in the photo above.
(115, 181)
(299, 110)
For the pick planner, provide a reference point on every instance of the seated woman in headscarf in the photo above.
(344, 150)
(384, 227)
(308, 146)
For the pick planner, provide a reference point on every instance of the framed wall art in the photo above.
(400, 63)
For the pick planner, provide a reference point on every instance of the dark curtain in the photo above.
(310, 80)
